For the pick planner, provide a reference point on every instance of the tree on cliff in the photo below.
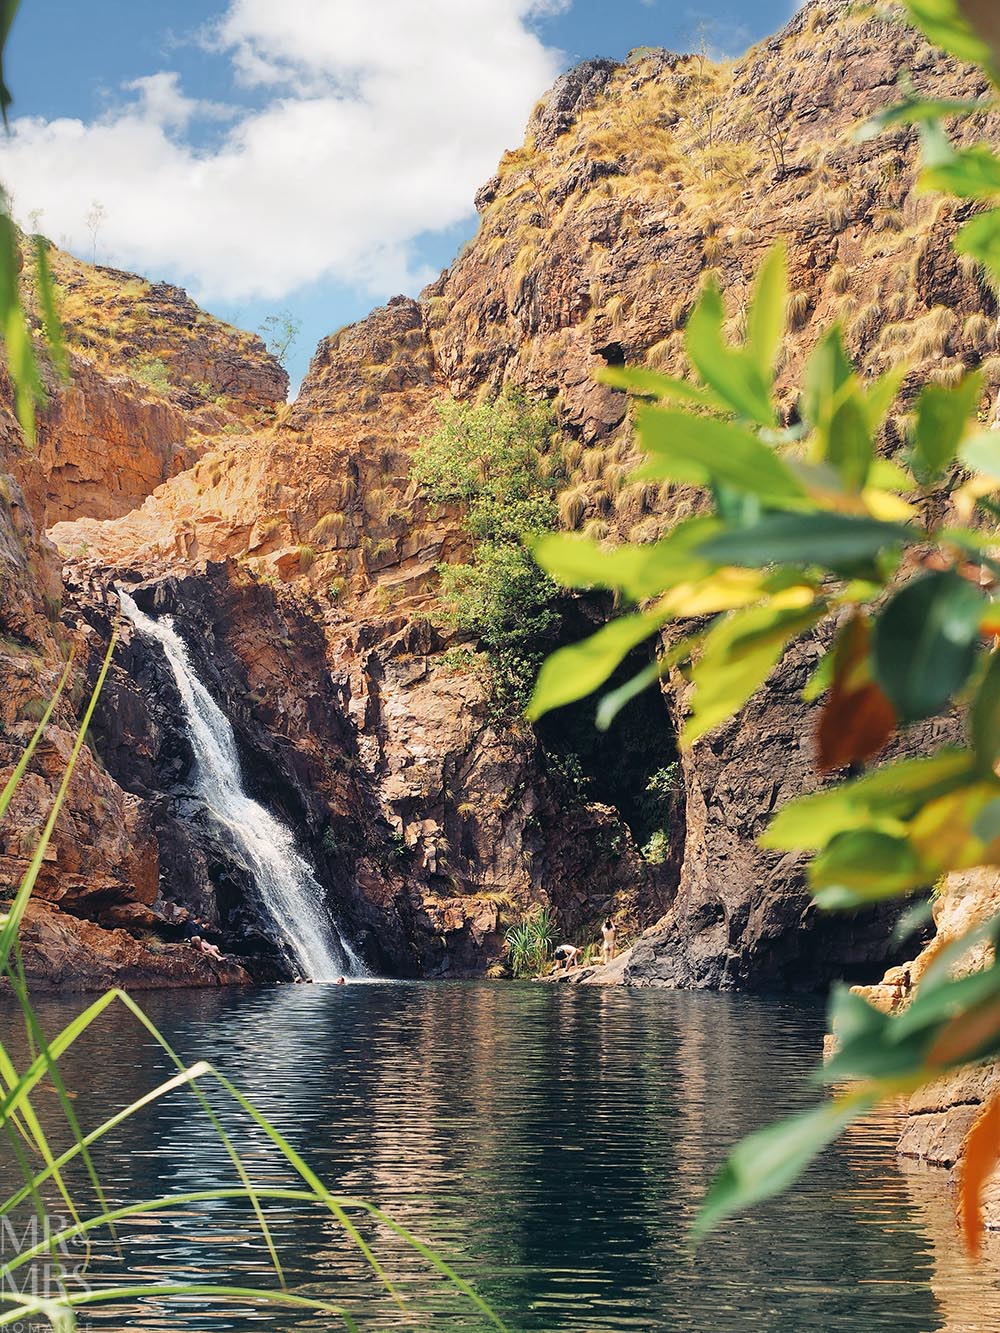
(281, 332)
(809, 524)
(498, 461)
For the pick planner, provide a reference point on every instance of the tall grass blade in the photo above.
(11, 785)
(14, 916)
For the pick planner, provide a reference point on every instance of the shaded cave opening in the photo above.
(634, 766)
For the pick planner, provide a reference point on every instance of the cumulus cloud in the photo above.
(372, 121)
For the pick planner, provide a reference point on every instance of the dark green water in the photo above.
(551, 1142)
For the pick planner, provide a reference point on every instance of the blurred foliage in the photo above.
(806, 524)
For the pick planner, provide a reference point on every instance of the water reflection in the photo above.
(553, 1143)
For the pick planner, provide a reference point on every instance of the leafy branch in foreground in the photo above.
(809, 525)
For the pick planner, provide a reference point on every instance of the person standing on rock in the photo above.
(608, 935)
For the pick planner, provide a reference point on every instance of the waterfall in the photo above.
(286, 883)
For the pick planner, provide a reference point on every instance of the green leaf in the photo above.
(651, 384)
(8, 12)
(638, 571)
(986, 825)
(982, 454)
(868, 1043)
(980, 238)
(878, 398)
(8, 932)
(888, 794)
(849, 443)
(613, 703)
(972, 173)
(14, 332)
(944, 831)
(50, 315)
(943, 416)
(768, 1161)
(12, 783)
(977, 546)
(701, 449)
(947, 24)
(573, 672)
(824, 538)
(820, 679)
(912, 112)
(984, 720)
(827, 374)
(869, 863)
(740, 653)
(885, 475)
(935, 146)
(925, 641)
(767, 318)
(733, 374)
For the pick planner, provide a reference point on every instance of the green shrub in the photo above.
(529, 942)
(497, 459)
(151, 371)
(657, 849)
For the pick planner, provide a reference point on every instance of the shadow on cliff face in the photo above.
(633, 768)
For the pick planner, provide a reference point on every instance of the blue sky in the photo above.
(314, 156)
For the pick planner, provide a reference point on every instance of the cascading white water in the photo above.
(287, 885)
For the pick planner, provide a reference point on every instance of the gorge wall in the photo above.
(299, 558)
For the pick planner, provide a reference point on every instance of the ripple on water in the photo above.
(552, 1143)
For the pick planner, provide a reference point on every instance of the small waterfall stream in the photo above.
(289, 888)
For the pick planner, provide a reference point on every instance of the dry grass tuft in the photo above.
(798, 309)
(979, 333)
(572, 507)
(329, 525)
(839, 279)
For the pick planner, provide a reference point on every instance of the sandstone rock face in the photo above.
(105, 443)
(64, 953)
(941, 1115)
(152, 379)
(429, 825)
(636, 180)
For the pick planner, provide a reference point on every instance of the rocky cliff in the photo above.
(939, 1117)
(152, 380)
(299, 558)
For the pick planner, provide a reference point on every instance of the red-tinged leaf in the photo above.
(980, 1156)
(854, 727)
(946, 831)
(970, 1035)
(857, 719)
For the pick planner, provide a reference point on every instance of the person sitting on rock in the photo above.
(567, 956)
(199, 942)
(608, 934)
(194, 932)
(900, 984)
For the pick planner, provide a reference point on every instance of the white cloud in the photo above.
(376, 120)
